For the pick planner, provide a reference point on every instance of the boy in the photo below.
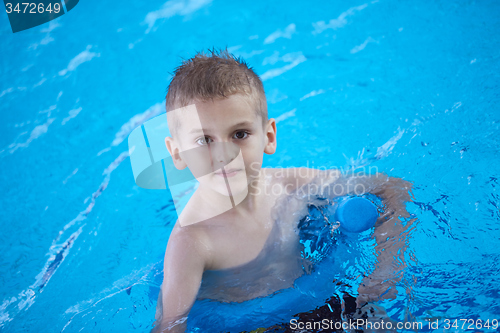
(227, 243)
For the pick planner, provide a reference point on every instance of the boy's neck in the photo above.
(239, 203)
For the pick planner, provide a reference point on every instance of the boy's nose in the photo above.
(223, 153)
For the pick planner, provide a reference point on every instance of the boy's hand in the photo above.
(373, 315)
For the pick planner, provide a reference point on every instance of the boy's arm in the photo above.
(298, 177)
(185, 260)
(390, 233)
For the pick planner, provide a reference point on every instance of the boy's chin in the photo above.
(236, 189)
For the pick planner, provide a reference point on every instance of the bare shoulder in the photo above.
(297, 177)
(290, 175)
(189, 242)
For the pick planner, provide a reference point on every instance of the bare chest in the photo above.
(239, 240)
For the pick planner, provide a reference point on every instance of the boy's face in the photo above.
(222, 142)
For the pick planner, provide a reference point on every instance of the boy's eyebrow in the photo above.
(194, 130)
(243, 124)
(240, 124)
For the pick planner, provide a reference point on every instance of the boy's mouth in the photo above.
(227, 173)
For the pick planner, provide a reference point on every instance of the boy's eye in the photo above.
(240, 135)
(204, 140)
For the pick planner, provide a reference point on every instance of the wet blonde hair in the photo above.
(215, 75)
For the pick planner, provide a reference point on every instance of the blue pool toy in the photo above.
(356, 214)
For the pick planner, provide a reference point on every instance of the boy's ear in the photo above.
(173, 149)
(270, 132)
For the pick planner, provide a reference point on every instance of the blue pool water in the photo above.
(409, 88)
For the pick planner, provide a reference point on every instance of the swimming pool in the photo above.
(411, 89)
